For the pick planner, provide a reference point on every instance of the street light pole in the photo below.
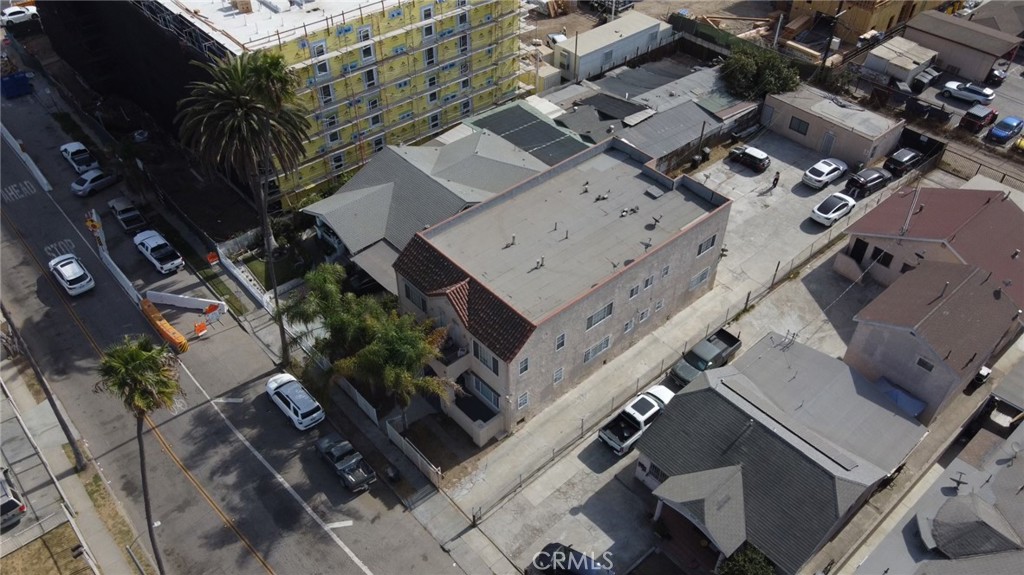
(833, 22)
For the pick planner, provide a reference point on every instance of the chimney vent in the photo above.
(1016, 253)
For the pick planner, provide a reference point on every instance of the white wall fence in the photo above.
(432, 472)
(360, 401)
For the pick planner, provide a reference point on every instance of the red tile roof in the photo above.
(983, 228)
(960, 310)
(487, 317)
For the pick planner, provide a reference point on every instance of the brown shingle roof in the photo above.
(982, 227)
(492, 321)
(964, 32)
(960, 310)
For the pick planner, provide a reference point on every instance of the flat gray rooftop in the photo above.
(583, 241)
(842, 112)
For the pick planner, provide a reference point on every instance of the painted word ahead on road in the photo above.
(17, 191)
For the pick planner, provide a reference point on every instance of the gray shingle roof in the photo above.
(964, 32)
(715, 497)
(671, 129)
(967, 525)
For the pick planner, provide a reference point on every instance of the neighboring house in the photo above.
(859, 18)
(531, 130)
(607, 46)
(541, 285)
(933, 329)
(965, 48)
(899, 58)
(371, 73)
(403, 190)
(831, 126)
(978, 227)
(778, 449)
(1007, 16)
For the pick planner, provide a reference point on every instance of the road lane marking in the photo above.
(337, 524)
(228, 400)
(326, 528)
(17, 191)
(59, 248)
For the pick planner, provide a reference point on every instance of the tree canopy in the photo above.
(747, 560)
(750, 73)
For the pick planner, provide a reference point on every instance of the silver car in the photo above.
(71, 274)
(969, 92)
(91, 182)
(824, 173)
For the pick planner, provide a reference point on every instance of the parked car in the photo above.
(623, 431)
(832, 209)
(969, 92)
(1007, 129)
(355, 472)
(71, 274)
(129, 216)
(977, 118)
(18, 14)
(294, 401)
(715, 351)
(824, 173)
(751, 157)
(559, 559)
(80, 158)
(866, 182)
(12, 504)
(902, 161)
(995, 77)
(156, 249)
(91, 182)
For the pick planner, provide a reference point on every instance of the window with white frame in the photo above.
(599, 316)
(416, 297)
(322, 68)
(464, 43)
(428, 31)
(326, 94)
(463, 20)
(490, 361)
(338, 161)
(431, 81)
(659, 304)
(644, 314)
(430, 56)
(648, 281)
(432, 97)
(427, 12)
(524, 400)
(628, 327)
(524, 365)
(435, 121)
(700, 278)
(375, 120)
(485, 391)
(464, 85)
(334, 137)
(597, 349)
(664, 272)
(461, 3)
(330, 121)
(365, 33)
(378, 144)
(372, 103)
(370, 77)
(367, 53)
(467, 106)
(556, 377)
(560, 341)
(318, 49)
(634, 291)
(706, 245)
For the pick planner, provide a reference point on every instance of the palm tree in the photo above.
(144, 377)
(243, 120)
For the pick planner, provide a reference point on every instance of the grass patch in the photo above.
(204, 270)
(29, 377)
(47, 555)
(286, 268)
(71, 127)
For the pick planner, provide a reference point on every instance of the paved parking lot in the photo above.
(1009, 100)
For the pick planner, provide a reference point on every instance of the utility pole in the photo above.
(833, 21)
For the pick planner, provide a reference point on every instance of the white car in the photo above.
(91, 182)
(71, 274)
(824, 173)
(294, 401)
(18, 14)
(79, 157)
(832, 209)
(156, 249)
(969, 92)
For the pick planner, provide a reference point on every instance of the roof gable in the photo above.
(715, 497)
(962, 31)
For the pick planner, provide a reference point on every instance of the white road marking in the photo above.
(337, 524)
(327, 528)
(228, 400)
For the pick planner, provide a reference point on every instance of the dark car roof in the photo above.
(904, 154)
(871, 174)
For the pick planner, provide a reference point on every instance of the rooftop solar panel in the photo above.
(542, 140)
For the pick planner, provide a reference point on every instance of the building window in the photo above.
(467, 106)
(334, 137)
(375, 120)
(331, 121)
(560, 341)
(373, 103)
(659, 304)
(430, 56)
(365, 33)
(644, 314)
(402, 84)
(322, 68)
(599, 316)
(431, 81)
(658, 475)
(428, 31)
(378, 145)
(428, 12)
(318, 49)
(461, 3)
(597, 350)
(432, 97)
(524, 400)
(524, 365)
(881, 256)
(326, 94)
(367, 52)
(634, 291)
(799, 126)
(628, 327)
(465, 84)
(648, 281)
(925, 364)
(412, 294)
(664, 272)
(338, 161)
(485, 391)
(706, 245)
(463, 20)
(556, 378)
(463, 43)
(700, 278)
(370, 77)
(435, 121)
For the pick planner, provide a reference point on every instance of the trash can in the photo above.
(694, 162)
(705, 154)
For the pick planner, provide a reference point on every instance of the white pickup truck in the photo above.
(622, 432)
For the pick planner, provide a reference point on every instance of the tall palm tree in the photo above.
(244, 120)
(144, 377)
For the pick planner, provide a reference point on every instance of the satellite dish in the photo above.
(1015, 446)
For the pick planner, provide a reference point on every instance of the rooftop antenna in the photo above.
(959, 480)
(657, 220)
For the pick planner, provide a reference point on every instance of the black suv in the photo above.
(866, 182)
(902, 161)
(751, 157)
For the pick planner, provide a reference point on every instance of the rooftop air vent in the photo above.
(654, 193)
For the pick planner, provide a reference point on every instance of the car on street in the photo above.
(294, 401)
(91, 182)
(1007, 129)
(355, 472)
(12, 504)
(824, 173)
(995, 77)
(902, 161)
(80, 158)
(560, 559)
(867, 181)
(751, 157)
(18, 14)
(127, 214)
(156, 249)
(71, 274)
(977, 118)
(832, 209)
(969, 92)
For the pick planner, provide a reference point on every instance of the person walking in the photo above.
(775, 180)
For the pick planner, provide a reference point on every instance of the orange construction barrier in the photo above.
(200, 327)
(165, 329)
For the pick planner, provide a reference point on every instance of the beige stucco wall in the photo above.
(955, 58)
(860, 17)
(904, 253)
